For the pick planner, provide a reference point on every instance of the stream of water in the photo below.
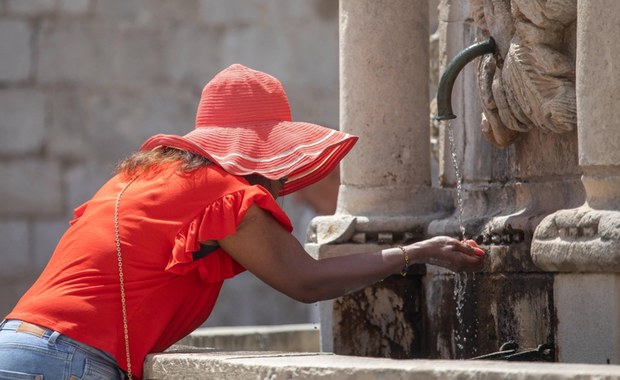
(460, 280)
(459, 179)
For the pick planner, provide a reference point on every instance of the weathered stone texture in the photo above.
(219, 365)
(22, 121)
(74, 7)
(383, 320)
(66, 135)
(582, 337)
(67, 52)
(286, 338)
(30, 8)
(44, 236)
(16, 244)
(15, 36)
(30, 188)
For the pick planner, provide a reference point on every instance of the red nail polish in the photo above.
(479, 252)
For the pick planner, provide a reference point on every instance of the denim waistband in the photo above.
(53, 336)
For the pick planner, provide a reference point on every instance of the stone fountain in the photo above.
(535, 141)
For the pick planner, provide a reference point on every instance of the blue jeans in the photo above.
(31, 352)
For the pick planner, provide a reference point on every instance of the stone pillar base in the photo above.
(339, 235)
(588, 311)
(583, 245)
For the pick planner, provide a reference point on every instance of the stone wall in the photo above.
(84, 82)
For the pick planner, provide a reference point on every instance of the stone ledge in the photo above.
(581, 240)
(290, 338)
(214, 364)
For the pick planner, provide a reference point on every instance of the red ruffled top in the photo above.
(163, 219)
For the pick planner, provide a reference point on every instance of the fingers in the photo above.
(476, 248)
(472, 261)
(454, 254)
(471, 247)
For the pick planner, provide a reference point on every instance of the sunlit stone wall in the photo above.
(84, 82)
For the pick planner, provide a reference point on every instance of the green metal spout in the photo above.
(444, 91)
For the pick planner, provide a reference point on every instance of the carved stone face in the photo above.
(531, 82)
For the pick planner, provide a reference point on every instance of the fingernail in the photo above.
(479, 252)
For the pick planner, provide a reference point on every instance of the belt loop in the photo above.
(52, 339)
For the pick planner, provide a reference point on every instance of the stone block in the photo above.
(130, 55)
(288, 338)
(45, 236)
(262, 47)
(167, 111)
(31, 188)
(118, 9)
(30, 8)
(74, 7)
(114, 126)
(16, 246)
(219, 365)
(471, 315)
(597, 94)
(101, 52)
(82, 182)
(22, 125)
(69, 51)
(66, 134)
(119, 122)
(246, 300)
(11, 290)
(15, 51)
(236, 12)
(588, 313)
(192, 55)
(158, 12)
(383, 320)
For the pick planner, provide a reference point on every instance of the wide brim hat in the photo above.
(243, 124)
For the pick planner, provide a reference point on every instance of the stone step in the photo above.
(194, 363)
(288, 338)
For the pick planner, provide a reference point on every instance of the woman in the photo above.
(142, 263)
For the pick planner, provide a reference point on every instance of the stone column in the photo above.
(583, 244)
(385, 193)
(384, 100)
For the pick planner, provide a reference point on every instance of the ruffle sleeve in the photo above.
(77, 213)
(215, 222)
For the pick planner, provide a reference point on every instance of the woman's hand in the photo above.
(450, 253)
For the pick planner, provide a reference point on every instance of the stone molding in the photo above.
(578, 240)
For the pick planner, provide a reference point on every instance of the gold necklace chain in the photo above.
(121, 276)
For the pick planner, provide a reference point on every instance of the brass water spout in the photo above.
(444, 91)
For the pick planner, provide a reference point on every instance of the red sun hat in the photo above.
(243, 124)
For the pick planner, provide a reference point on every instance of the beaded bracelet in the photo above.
(405, 270)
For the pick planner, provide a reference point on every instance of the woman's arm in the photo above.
(263, 247)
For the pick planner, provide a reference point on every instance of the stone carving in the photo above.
(578, 240)
(530, 82)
